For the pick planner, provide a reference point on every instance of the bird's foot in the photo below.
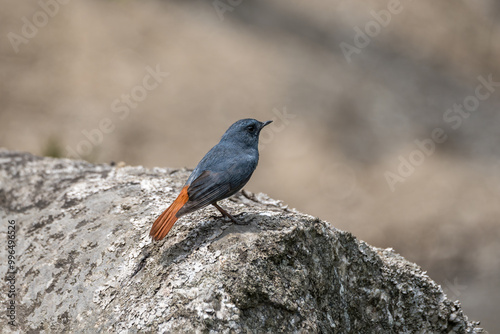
(227, 215)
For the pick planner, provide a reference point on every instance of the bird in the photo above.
(222, 172)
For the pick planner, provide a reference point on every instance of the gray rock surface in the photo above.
(86, 263)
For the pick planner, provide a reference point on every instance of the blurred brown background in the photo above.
(77, 72)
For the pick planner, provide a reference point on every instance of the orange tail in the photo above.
(167, 219)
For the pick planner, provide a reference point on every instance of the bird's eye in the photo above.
(251, 128)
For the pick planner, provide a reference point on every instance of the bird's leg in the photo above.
(226, 214)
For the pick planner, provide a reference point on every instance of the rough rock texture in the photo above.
(86, 263)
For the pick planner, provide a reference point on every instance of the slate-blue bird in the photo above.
(222, 172)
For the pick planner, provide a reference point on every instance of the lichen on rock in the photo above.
(86, 262)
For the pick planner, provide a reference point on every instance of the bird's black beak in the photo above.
(266, 123)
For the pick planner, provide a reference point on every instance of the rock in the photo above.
(86, 262)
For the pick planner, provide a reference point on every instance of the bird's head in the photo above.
(245, 131)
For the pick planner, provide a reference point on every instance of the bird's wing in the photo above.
(211, 187)
(207, 188)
